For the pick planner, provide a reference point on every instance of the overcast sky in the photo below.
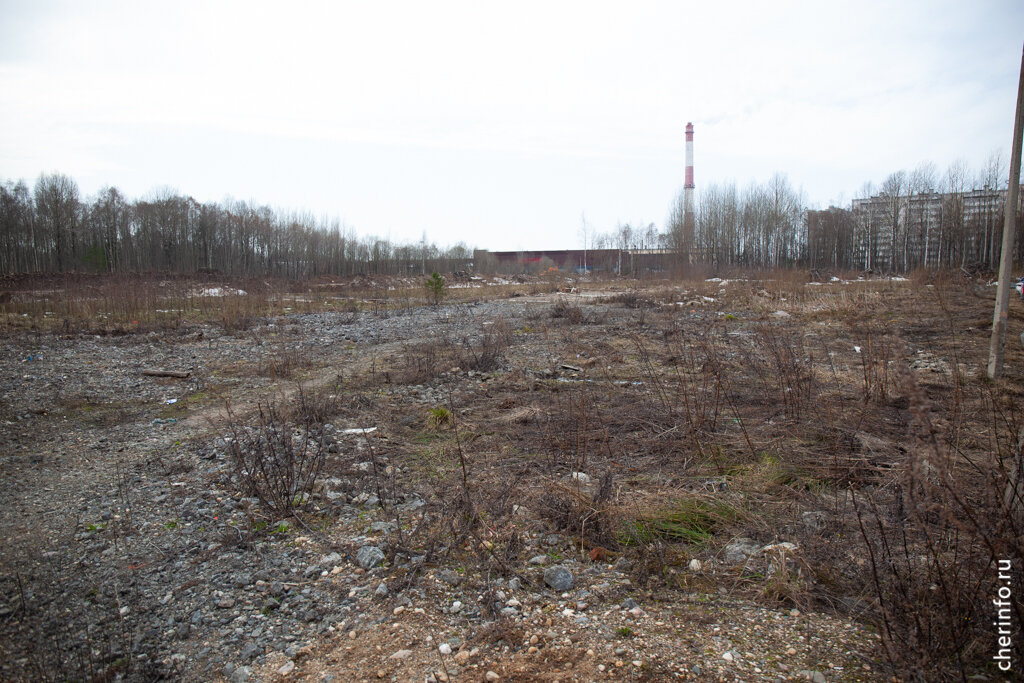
(499, 124)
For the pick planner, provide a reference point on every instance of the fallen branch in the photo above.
(156, 372)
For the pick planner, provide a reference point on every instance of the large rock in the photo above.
(812, 676)
(580, 477)
(369, 556)
(739, 550)
(559, 578)
(449, 577)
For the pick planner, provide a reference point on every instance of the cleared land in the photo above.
(751, 479)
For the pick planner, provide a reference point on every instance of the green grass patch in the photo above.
(687, 520)
(439, 417)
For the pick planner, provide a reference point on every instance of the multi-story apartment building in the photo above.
(903, 232)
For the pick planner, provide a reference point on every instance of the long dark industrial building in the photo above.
(624, 261)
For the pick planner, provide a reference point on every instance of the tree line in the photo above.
(50, 228)
(912, 220)
(762, 226)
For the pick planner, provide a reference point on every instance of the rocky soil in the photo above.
(133, 550)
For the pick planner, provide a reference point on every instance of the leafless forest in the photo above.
(921, 219)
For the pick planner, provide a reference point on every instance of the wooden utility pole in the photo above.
(999, 318)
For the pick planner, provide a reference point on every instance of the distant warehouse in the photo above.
(625, 261)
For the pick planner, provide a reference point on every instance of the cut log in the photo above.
(156, 372)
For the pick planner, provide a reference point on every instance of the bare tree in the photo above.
(108, 227)
(623, 241)
(953, 213)
(676, 227)
(17, 229)
(57, 209)
(830, 236)
(894, 189)
(991, 177)
(922, 186)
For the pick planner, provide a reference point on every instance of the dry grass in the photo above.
(129, 304)
(856, 426)
(806, 427)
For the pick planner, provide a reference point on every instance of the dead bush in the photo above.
(485, 355)
(575, 512)
(938, 548)
(793, 368)
(456, 347)
(317, 407)
(420, 363)
(284, 362)
(278, 459)
(631, 299)
(571, 313)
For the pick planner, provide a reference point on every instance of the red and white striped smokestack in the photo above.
(689, 156)
(688, 213)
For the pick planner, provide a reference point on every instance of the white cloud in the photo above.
(544, 109)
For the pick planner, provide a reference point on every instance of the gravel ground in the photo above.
(130, 553)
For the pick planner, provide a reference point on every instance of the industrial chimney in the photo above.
(688, 217)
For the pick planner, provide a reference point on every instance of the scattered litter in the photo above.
(857, 349)
(359, 430)
(218, 291)
(929, 363)
(171, 401)
(617, 382)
